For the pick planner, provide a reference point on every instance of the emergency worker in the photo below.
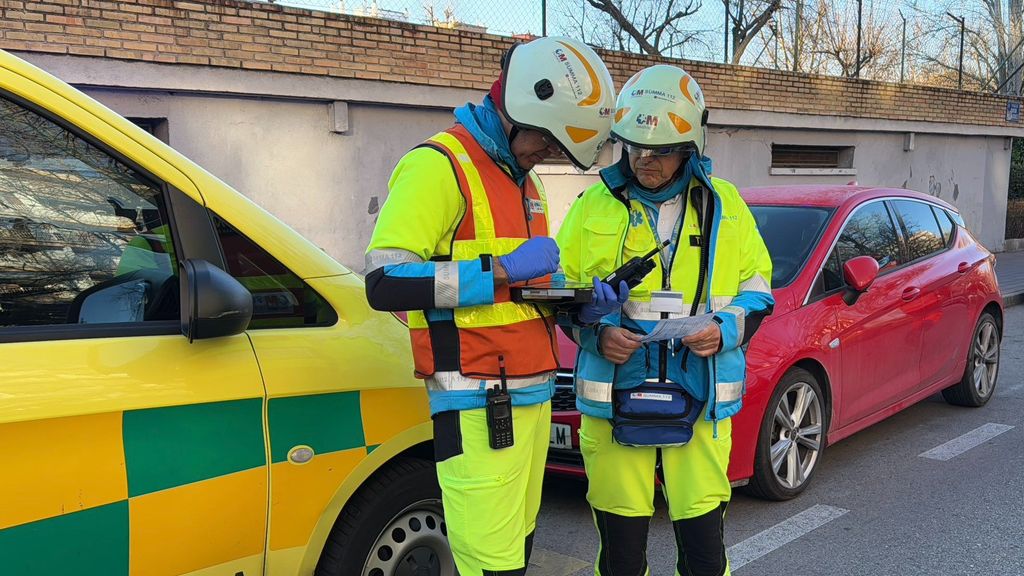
(662, 405)
(465, 218)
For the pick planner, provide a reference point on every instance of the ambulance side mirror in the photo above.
(213, 303)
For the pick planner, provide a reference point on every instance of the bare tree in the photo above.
(820, 37)
(993, 37)
(746, 19)
(835, 38)
(652, 27)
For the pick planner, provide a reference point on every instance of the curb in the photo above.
(1014, 299)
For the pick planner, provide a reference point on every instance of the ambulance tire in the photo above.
(768, 483)
(393, 522)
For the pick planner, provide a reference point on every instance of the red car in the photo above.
(883, 298)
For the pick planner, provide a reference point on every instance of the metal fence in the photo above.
(974, 44)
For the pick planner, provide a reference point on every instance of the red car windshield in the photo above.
(790, 233)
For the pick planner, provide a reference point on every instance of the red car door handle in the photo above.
(911, 293)
(963, 267)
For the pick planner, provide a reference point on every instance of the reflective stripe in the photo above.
(446, 285)
(756, 283)
(482, 219)
(471, 249)
(500, 314)
(453, 381)
(719, 302)
(594, 391)
(728, 391)
(379, 258)
(740, 315)
(641, 310)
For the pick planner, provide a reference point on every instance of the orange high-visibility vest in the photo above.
(500, 215)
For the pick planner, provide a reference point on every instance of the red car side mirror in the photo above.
(859, 273)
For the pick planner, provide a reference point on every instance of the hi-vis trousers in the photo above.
(491, 497)
(622, 484)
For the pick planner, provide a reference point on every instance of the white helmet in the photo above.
(661, 107)
(560, 87)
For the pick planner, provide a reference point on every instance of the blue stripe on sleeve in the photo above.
(410, 270)
(476, 287)
(727, 326)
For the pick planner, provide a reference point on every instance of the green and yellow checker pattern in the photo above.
(341, 428)
(183, 490)
(156, 491)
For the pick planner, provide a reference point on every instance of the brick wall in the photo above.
(259, 36)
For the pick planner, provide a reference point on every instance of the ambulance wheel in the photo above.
(791, 439)
(392, 526)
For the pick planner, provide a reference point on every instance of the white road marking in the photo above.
(961, 444)
(783, 533)
(547, 563)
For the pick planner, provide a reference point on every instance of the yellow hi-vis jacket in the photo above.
(604, 229)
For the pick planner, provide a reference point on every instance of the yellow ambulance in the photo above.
(187, 386)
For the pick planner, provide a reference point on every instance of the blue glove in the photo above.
(605, 301)
(534, 258)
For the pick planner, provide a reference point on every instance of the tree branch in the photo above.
(609, 8)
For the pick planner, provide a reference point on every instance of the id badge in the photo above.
(668, 302)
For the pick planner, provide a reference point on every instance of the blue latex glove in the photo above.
(604, 302)
(534, 258)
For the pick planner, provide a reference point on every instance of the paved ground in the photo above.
(1010, 270)
(907, 496)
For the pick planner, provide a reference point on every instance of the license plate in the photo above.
(561, 436)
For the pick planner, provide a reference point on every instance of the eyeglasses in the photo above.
(644, 152)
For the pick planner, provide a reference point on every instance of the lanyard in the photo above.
(668, 253)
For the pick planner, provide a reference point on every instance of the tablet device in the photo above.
(554, 292)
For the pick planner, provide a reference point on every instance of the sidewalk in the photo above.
(1010, 271)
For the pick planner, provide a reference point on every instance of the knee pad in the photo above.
(528, 544)
(623, 544)
(701, 544)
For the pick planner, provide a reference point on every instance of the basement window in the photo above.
(799, 159)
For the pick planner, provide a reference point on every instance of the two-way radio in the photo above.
(634, 271)
(499, 412)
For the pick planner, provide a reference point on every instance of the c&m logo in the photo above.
(561, 55)
(648, 120)
(604, 112)
(637, 93)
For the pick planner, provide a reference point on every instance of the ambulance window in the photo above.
(84, 237)
(280, 298)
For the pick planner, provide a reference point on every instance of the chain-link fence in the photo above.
(917, 41)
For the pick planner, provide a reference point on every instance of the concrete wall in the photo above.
(282, 153)
(271, 136)
(970, 172)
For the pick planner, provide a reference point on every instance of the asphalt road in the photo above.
(909, 495)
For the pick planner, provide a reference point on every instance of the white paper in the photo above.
(678, 328)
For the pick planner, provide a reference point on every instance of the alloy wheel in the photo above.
(796, 437)
(986, 359)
